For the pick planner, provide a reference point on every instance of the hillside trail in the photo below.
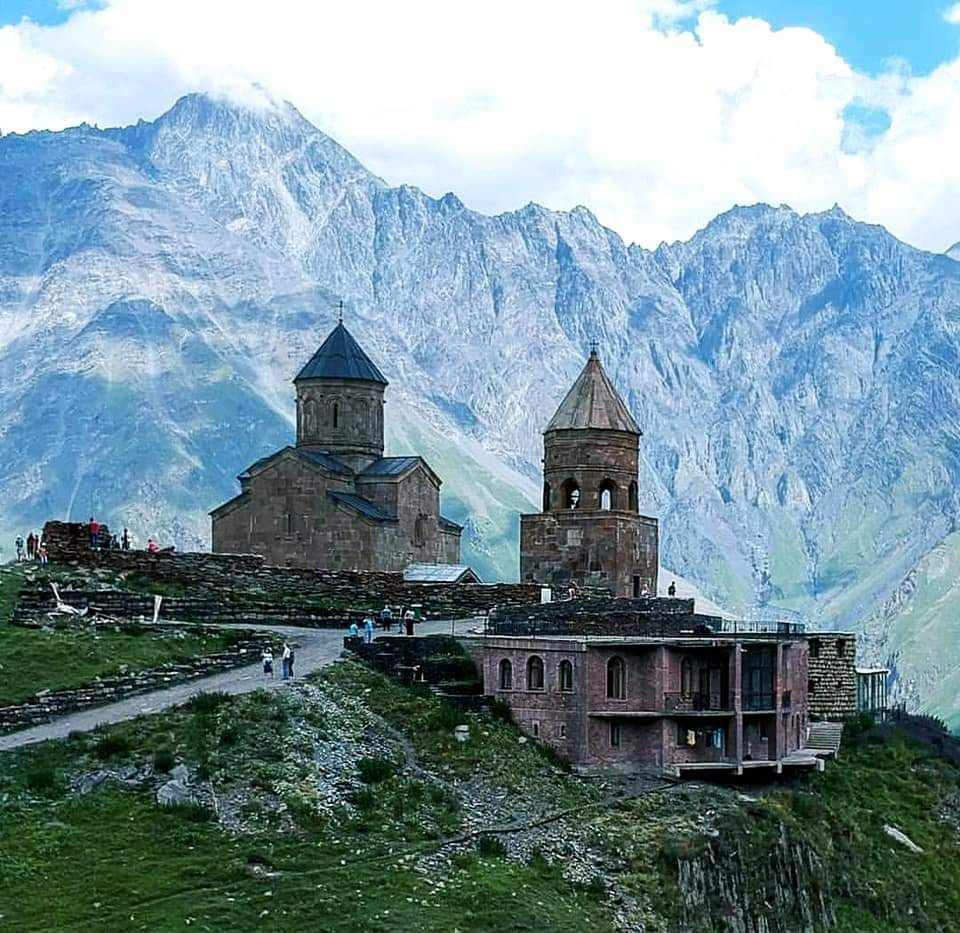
(315, 649)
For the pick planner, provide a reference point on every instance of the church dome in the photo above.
(593, 404)
(341, 357)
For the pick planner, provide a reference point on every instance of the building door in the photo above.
(636, 586)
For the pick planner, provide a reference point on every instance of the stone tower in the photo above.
(590, 530)
(340, 402)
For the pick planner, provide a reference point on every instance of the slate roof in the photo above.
(593, 402)
(341, 357)
(320, 459)
(449, 523)
(390, 466)
(440, 573)
(364, 506)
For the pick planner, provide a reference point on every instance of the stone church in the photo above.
(334, 501)
(590, 531)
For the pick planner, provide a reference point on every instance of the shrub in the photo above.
(491, 847)
(375, 770)
(163, 760)
(445, 718)
(40, 780)
(500, 710)
(208, 701)
(111, 745)
(364, 799)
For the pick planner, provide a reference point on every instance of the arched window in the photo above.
(335, 417)
(608, 495)
(566, 677)
(571, 494)
(420, 531)
(686, 677)
(535, 673)
(546, 497)
(616, 679)
(633, 497)
(506, 675)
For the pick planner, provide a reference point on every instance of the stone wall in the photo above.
(832, 677)
(615, 550)
(47, 705)
(244, 588)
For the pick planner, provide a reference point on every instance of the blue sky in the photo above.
(866, 32)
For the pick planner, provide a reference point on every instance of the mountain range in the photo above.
(796, 377)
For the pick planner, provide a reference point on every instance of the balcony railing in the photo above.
(753, 702)
(697, 702)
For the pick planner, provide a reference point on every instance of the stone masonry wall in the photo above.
(832, 677)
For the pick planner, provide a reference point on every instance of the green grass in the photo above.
(72, 655)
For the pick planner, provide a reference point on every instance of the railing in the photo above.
(752, 702)
(704, 756)
(677, 626)
(697, 702)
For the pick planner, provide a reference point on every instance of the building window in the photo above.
(571, 494)
(546, 497)
(616, 679)
(814, 648)
(566, 677)
(288, 523)
(633, 497)
(811, 687)
(563, 730)
(841, 648)
(614, 735)
(535, 725)
(336, 415)
(608, 495)
(686, 677)
(420, 531)
(506, 675)
(535, 673)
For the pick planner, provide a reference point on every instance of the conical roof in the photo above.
(593, 402)
(341, 357)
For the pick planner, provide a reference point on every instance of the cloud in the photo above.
(952, 14)
(656, 114)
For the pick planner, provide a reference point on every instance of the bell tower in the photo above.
(340, 402)
(590, 530)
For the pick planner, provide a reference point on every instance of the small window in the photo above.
(841, 648)
(814, 648)
(571, 494)
(535, 725)
(535, 673)
(336, 415)
(633, 497)
(608, 495)
(614, 735)
(506, 675)
(811, 687)
(616, 679)
(563, 730)
(288, 523)
(546, 497)
(420, 531)
(566, 676)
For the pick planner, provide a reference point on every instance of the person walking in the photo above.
(268, 663)
(94, 528)
(18, 544)
(368, 630)
(31, 546)
(672, 588)
(125, 541)
(386, 618)
(408, 620)
(285, 662)
(42, 555)
(353, 631)
(290, 660)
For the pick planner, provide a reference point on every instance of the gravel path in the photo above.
(315, 648)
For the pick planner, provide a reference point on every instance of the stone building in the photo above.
(590, 531)
(652, 684)
(832, 682)
(334, 501)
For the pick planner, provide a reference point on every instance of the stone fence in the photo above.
(47, 705)
(245, 581)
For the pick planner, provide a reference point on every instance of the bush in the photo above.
(375, 770)
(491, 847)
(111, 745)
(445, 718)
(500, 710)
(163, 760)
(40, 780)
(208, 701)
(364, 799)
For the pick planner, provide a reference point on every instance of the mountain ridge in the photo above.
(795, 375)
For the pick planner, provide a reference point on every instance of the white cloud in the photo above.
(656, 114)
(952, 14)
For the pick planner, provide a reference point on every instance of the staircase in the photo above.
(824, 739)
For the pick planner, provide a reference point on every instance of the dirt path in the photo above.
(315, 648)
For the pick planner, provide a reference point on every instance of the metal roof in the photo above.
(390, 466)
(593, 402)
(364, 506)
(440, 573)
(341, 357)
(324, 460)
